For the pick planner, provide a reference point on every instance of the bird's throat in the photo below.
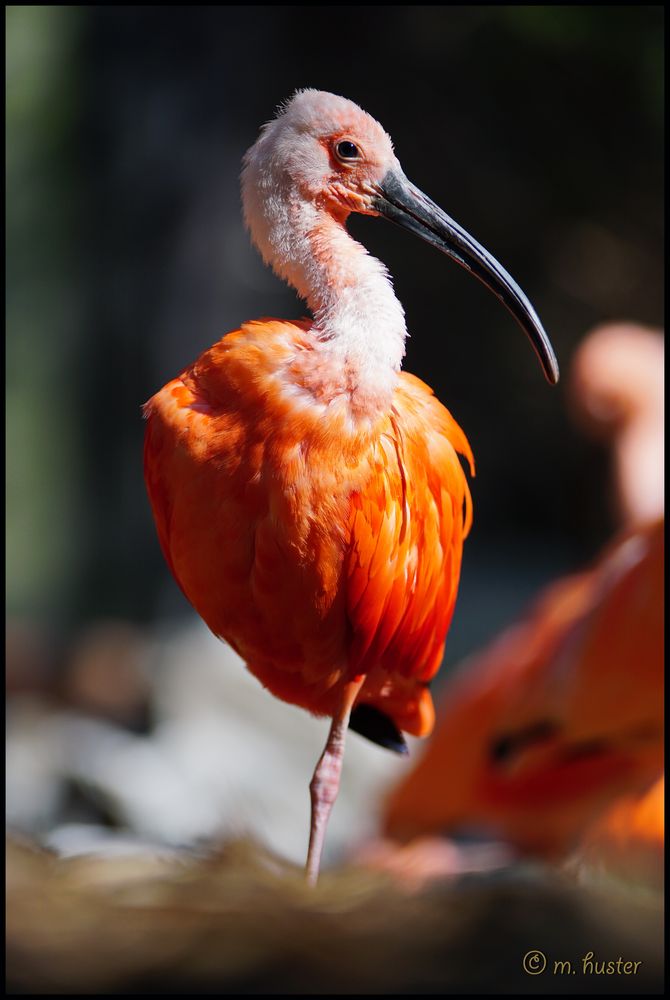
(358, 333)
(359, 324)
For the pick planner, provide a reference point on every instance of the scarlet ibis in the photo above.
(308, 495)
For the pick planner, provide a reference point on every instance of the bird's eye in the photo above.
(347, 150)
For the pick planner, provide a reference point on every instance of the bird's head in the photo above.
(324, 154)
(323, 150)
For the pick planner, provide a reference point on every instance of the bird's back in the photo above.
(320, 542)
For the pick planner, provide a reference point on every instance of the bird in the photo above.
(308, 495)
(558, 723)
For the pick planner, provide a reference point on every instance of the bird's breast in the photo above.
(274, 507)
(250, 475)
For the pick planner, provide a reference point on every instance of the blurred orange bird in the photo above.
(308, 495)
(558, 719)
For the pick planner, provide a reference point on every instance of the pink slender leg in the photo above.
(325, 783)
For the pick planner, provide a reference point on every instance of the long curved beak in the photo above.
(401, 202)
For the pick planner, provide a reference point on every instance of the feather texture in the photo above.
(318, 535)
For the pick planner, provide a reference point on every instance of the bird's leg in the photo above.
(325, 783)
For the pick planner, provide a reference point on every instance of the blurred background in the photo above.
(538, 128)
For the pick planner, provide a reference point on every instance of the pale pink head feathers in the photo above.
(299, 184)
(297, 153)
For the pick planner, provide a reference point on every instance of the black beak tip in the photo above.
(402, 203)
(551, 371)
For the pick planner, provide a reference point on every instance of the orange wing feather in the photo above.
(318, 546)
(403, 564)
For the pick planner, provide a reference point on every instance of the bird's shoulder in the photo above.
(420, 415)
(236, 372)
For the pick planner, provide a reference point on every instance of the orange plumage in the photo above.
(319, 549)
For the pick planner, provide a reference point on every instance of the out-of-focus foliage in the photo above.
(44, 306)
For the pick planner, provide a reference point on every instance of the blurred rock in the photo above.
(34, 764)
(72, 840)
